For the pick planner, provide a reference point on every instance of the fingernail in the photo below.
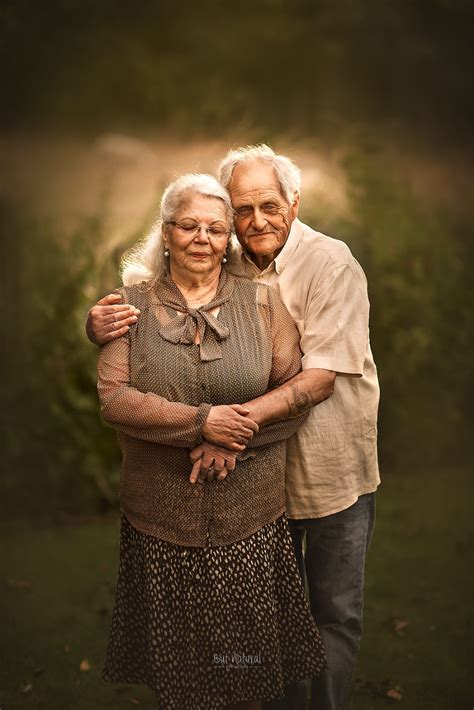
(134, 318)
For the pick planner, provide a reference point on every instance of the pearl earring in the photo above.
(224, 260)
(167, 252)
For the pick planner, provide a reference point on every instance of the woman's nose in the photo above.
(201, 234)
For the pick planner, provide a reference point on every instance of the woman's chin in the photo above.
(197, 266)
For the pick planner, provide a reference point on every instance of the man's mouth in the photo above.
(260, 234)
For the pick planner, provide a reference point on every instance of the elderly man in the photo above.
(332, 469)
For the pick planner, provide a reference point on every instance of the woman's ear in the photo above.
(164, 236)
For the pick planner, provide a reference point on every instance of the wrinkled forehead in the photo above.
(254, 181)
(193, 204)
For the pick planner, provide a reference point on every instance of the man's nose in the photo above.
(259, 220)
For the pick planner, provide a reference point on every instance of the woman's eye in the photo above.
(217, 231)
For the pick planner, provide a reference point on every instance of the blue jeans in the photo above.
(333, 566)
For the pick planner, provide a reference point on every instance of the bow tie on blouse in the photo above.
(182, 328)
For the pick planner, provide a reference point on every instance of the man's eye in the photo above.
(241, 212)
(270, 208)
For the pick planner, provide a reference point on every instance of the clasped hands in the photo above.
(226, 432)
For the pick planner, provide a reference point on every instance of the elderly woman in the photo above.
(210, 611)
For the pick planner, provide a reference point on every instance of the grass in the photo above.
(418, 596)
(57, 593)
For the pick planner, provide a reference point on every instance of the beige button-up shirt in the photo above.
(332, 459)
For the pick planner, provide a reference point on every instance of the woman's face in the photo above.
(192, 250)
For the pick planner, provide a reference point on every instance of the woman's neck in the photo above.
(197, 289)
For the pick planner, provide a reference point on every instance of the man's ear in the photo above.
(295, 205)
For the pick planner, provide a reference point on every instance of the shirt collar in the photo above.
(283, 257)
(290, 246)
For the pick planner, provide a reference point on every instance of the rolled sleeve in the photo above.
(335, 331)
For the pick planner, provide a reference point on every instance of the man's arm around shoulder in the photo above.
(110, 319)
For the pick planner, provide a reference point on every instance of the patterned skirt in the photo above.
(207, 627)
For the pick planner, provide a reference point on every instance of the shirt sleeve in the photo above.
(336, 325)
(143, 415)
(286, 363)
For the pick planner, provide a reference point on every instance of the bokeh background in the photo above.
(103, 104)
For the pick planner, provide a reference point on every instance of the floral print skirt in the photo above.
(207, 627)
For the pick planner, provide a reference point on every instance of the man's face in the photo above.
(263, 216)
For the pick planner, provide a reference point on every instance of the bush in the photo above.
(58, 454)
(417, 258)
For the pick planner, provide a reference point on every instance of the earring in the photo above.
(167, 252)
(224, 260)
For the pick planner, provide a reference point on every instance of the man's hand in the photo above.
(109, 319)
(210, 461)
(229, 426)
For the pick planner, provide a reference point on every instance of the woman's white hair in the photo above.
(146, 261)
(286, 172)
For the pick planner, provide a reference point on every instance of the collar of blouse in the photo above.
(182, 327)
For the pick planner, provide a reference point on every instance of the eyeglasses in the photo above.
(191, 229)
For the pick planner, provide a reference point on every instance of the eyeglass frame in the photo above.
(197, 229)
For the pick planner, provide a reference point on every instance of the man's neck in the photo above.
(261, 261)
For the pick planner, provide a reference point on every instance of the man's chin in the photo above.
(262, 243)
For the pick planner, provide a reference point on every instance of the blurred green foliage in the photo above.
(59, 458)
(418, 258)
(286, 66)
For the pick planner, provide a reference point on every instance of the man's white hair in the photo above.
(146, 260)
(286, 172)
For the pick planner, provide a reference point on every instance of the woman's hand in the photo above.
(210, 461)
(229, 426)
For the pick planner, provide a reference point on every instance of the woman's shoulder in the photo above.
(137, 295)
(262, 293)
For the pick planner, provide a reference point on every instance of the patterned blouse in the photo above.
(157, 386)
